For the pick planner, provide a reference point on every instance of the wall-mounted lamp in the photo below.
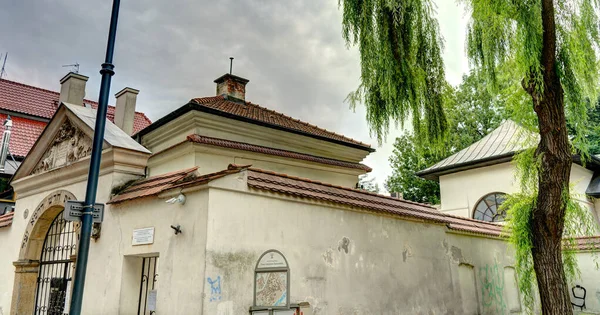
(96, 230)
(179, 199)
(177, 229)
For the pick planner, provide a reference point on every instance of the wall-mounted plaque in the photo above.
(143, 236)
(272, 281)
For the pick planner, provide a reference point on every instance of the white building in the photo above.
(196, 199)
(475, 180)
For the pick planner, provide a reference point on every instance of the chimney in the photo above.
(72, 88)
(125, 109)
(232, 86)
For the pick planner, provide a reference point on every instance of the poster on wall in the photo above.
(271, 288)
(271, 281)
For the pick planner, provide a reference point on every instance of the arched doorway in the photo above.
(37, 237)
(56, 268)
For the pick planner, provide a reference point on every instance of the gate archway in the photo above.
(27, 267)
(56, 268)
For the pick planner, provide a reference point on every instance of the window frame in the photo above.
(474, 210)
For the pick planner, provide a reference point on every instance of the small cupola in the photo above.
(232, 86)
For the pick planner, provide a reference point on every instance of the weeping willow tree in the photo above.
(552, 46)
(402, 71)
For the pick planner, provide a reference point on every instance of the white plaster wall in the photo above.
(218, 160)
(389, 266)
(181, 257)
(461, 191)
(11, 239)
(588, 265)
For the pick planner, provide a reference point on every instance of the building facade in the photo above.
(474, 183)
(196, 201)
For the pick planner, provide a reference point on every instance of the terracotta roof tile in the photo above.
(152, 185)
(276, 152)
(306, 188)
(34, 101)
(263, 115)
(24, 133)
(589, 243)
(6, 219)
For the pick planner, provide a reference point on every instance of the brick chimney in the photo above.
(232, 86)
(125, 109)
(72, 88)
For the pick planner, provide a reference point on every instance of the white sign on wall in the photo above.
(143, 236)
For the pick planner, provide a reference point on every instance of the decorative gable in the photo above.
(69, 145)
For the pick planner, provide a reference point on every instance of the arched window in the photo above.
(487, 208)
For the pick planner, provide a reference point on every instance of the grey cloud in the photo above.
(291, 51)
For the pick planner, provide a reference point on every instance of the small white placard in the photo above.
(143, 236)
(152, 300)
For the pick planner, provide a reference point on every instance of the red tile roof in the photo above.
(24, 133)
(276, 152)
(34, 101)
(305, 188)
(152, 185)
(588, 243)
(6, 219)
(263, 115)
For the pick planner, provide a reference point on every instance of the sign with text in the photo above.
(74, 211)
(143, 236)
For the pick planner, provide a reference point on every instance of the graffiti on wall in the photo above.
(215, 288)
(579, 294)
(491, 279)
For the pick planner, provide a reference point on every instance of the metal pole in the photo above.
(92, 184)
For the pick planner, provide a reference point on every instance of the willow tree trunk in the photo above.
(555, 153)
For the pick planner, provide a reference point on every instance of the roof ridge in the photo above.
(340, 187)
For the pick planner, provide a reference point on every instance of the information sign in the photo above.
(74, 211)
(143, 236)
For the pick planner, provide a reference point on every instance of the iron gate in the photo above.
(147, 282)
(55, 275)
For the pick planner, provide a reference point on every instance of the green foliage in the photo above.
(519, 206)
(405, 161)
(593, 134)
(402, 71)
(502, 31)
(472, 112)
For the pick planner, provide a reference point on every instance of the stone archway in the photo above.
(27, 267)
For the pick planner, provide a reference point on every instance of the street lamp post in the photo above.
(92, 183)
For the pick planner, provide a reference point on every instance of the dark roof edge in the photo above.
(593, 164)
(195, 106)
(434, 174)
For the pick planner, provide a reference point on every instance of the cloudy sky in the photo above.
(291, 51)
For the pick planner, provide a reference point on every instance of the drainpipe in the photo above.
(92, 184)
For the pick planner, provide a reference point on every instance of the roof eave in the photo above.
(195, 106)
(435, 174)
